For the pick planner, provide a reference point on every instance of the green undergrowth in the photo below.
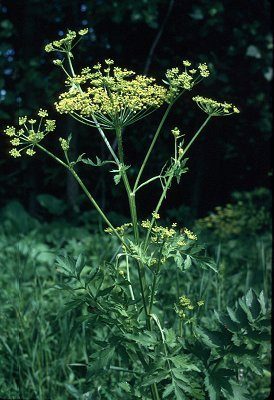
(47, 334)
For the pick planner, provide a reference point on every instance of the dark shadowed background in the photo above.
(149, 36)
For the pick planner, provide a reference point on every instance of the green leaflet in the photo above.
(183, 386)
(238, 392)
(218, 380)
(101, 359)
(98, 163)
(213, 339)
(156, 377)
(146, 339)
(184, 363)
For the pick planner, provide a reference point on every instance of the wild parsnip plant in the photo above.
(184, 360)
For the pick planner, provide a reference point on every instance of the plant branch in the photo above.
(86, 191)
(152, 145)
(169, 180)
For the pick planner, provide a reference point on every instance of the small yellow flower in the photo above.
(109, 62)
(204, 72)
(30, 152)
(146, 224)
(42, 113)
(22, 120)
(57, 62)
(190, 234)
(64, 144)
(155, 215)
(83, 32)
(15, 153)
(184, 301)
(49, 47)
(50, 125)
(175, 132)
(15, 142)
(186, 63)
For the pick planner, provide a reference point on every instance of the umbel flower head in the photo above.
(29, 134)
(214, 108)
(65, 44)
(181, 80)
(116, 97)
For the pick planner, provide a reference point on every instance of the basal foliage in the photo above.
(121, 294)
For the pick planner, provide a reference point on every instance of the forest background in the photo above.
(233, 37)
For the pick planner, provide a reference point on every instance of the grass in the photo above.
(44, 351)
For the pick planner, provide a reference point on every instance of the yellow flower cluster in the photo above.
(115, 96)
(27, 136)
(214, 108)
(185, 304)
(179, 81)
(64, 144)
(162, 233)
(190, 235)
(120, 229)
(146, 224)
(65, 44)
(155, 215)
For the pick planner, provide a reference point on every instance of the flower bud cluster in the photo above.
(215, 108)
(64, 144)
(176, 132)
(29, 133)
(64, 44)
(180, 81)
(122, 230)
(163, 234)
(185, 305)
(190, 235)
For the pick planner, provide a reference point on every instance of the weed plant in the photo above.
(143, 328)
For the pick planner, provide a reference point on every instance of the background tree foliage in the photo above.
(45, 350)
(148, 36)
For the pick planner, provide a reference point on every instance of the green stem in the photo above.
(168, 182)
(181, 328)
(155, 280)
(196, 134)
(147, 182)
(152, 145)
(130, 194)
(70, 64)
(133, 212)
(86, 191)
